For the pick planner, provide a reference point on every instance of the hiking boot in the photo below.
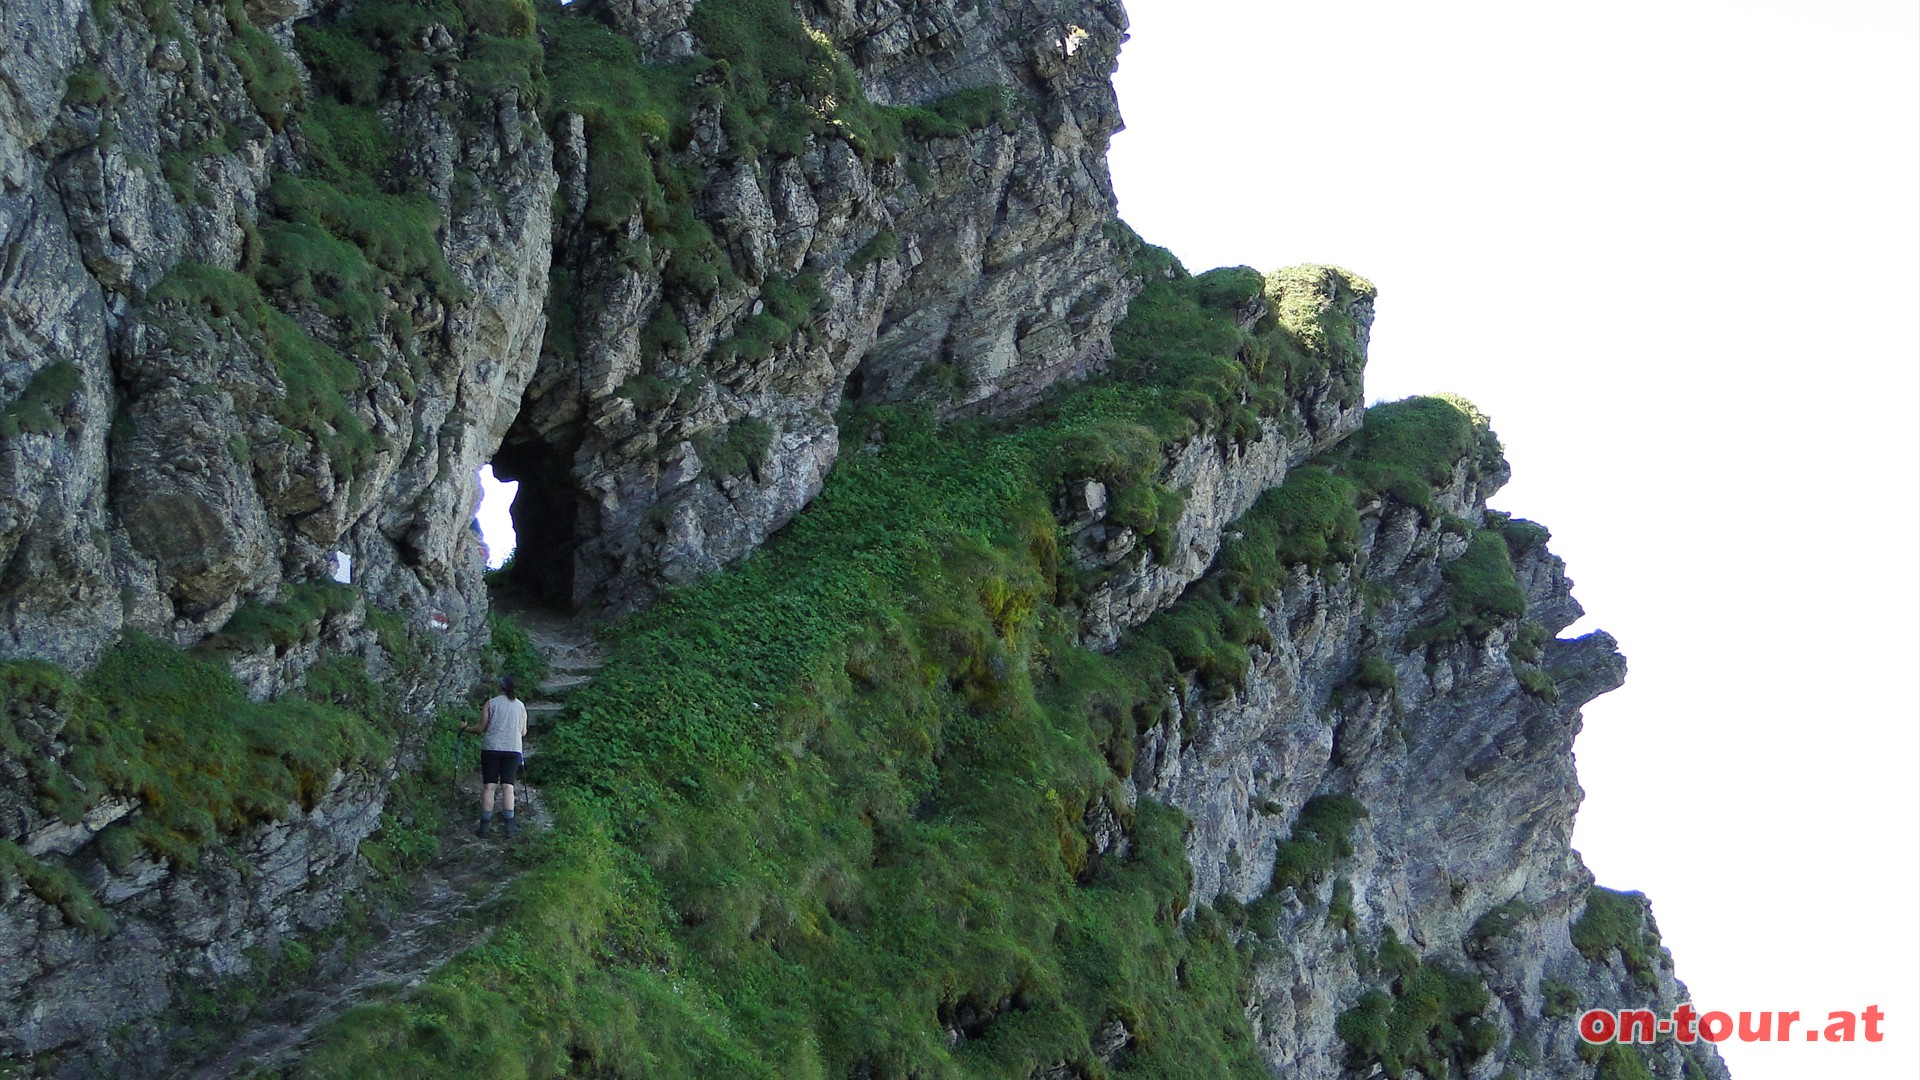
(513, 828)
(480, 827)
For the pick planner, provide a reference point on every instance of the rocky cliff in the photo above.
(813, 338)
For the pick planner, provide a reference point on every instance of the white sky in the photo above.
(1674, 250)
(495, 516)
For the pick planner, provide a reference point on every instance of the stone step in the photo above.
(574, 665)
(558, 685)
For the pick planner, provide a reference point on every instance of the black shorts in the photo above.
(499, 766)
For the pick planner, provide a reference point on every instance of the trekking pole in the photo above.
(459, 743)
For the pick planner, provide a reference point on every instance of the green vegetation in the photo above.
(1321, 837)
(1375, 673)
(511, 651)
(1520, 534)
(272, 84)
(1529, 643)
(175, 731)
(773, 83)
(1615, 1061)
(1408, 448)
(294, 619)
(1500, 923)
(821, 810)
(958, 114)
(740, 450)
(884, 245)
(52, 884)
(1617, 922)
(1311, 303)
(1559, 999)
(1482, 593)
(88, 85)
(1186, 331)
(788, 306)
(37, 409)
(1428, 1018)
(1340, 910)
(796, 806)
(318, 380)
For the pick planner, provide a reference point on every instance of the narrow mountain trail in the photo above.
(447, 907)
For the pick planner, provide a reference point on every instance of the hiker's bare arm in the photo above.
(486, 718)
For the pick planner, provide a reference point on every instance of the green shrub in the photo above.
(1617, 1062)
(1314, 518)
(1559, 999)
(1521, 535)
(1321, 837)
(1500, 923)
(1318, 338)
(271, 82)
(788, 306)
(88, 85)
(317, 379)
(1408, 448)
(1536, 683)
(1428, 1018)
(1529, 643)
(957, 115)
(1481, 590)
(1375, 673)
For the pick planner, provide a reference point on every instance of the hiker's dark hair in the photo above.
(506, 687)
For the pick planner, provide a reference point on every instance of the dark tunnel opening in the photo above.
(545, 519)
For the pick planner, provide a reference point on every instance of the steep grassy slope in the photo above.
(830, 814)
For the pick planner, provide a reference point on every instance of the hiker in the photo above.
(503, 724)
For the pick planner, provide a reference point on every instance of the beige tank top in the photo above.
(506, 720)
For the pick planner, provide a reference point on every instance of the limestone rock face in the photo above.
(162, 472)
(969, 275)
(271, 293)
(1489, 884)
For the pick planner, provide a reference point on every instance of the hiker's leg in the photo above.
(506, 797)
(486, 798)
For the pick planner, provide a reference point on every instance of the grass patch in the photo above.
(511, 651)
(884, 245)
(1322, 836)
(1409, 448)
(1617, 922)
(38, 408)
(740, 450)
(1427, 1018)
(1558, 999)
(787, 307)
(55, 885)
(1481, 591)
(1375, 673)
(294, 619)
(317, 380)
(176, 732)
